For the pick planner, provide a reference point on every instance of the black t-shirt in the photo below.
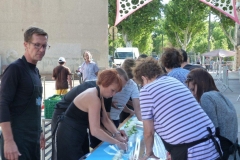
(16, 89)
(69, 97)
(191, 67)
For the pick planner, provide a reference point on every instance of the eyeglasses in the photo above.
(39, 46)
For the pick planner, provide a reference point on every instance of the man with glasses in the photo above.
(20, 101)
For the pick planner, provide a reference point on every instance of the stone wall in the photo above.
(73, 26)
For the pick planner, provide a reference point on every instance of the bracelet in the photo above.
(115, 134)
(146, 155)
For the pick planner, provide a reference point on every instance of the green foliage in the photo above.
(139, 25)
(219, 40)
(227, 24)
(115, 44)
(199, 43)
(184, 20)
(160, 39)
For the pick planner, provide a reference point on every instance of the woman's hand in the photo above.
(123, 133)
(168, 156)
(114, 104)
(122, 137)
(122, 146)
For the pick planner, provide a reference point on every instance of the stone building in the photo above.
(73, 26)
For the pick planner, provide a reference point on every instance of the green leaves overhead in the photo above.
(184, 20)
(139, 25)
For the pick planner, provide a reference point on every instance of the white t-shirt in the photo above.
(177, 116)
(129, 90)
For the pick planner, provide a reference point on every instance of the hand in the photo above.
(11, 150)
(122, 146)
(42, 141)
(132, 112)
(123, 133)
(121, 138)
(168, 156)
(114, 104)
(146, 156)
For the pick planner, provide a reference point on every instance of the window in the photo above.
(123, 55)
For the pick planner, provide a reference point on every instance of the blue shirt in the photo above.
(89, 71)
(179, 73)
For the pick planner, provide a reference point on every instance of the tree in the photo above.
(160, 39)
(227, 25)
(137, 28)
(200, 42)
(184, 20)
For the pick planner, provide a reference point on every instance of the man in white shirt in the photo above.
(120, 99)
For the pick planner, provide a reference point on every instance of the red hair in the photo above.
(108, 77)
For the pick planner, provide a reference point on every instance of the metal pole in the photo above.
(162, 43)
(113, 44)
(209, 28)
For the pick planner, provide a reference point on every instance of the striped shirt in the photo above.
(177, 116)
(129, 90)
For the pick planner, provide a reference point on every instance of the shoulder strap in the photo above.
(98, 89)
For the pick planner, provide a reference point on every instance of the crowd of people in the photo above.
(178, 101)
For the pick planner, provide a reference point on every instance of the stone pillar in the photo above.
(237, 56)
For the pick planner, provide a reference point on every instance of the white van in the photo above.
(121, 54)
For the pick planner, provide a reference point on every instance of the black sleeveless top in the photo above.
(78, 115)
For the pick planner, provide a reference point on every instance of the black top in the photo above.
(69, 97)
(16, 89)
(77, 115)
(191, 67)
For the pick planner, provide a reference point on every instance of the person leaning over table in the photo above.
(171, 59)
(87, 109)
(219, 109)
(169, 109)
(121, 98)
(185, 64)
(62, 106)
(20, 101)
(127, 66)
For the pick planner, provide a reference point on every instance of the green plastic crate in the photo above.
(49, 105)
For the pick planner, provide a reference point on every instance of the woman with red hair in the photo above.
(87, 111)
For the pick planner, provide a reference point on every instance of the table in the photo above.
(137, 149)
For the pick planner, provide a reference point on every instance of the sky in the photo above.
(165, 1)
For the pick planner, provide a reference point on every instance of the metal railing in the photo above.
(43, 80)
(47, 131)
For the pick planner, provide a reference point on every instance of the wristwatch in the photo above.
(115, 134)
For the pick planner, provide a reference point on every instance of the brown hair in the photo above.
(148, 67)
(171, 58)
(108, 77)
(33, 30)
(203, 80)
(122, 73)
(127, 65)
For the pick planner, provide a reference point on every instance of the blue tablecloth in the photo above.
(100, 154)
